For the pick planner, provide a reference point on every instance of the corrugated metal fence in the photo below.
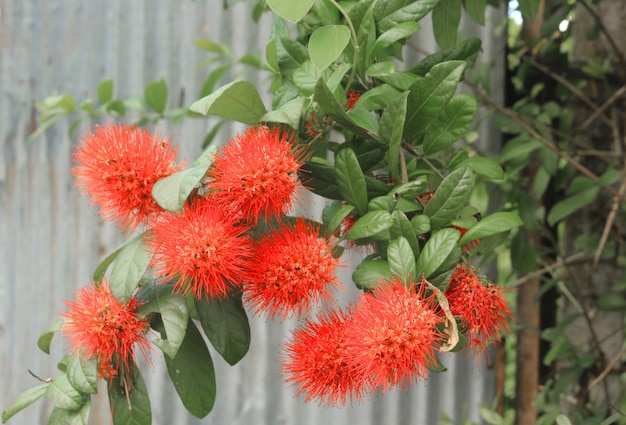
(52, 240)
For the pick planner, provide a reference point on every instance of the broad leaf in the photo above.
(24, 400)
(320, 179)
(139, 411)
(331, 106)
(400, 258)
(65, 395)
(484, 167)
(288, 113)
(100, 271)
(334, 214)
(290, 10)
(192, 373)
(238, 101)
(369, 274)
(45, 339)
(80, 416)
(476, 10)
(83, 375)
(225, 323)
(407, 231)
(174, 314)
(572, 204)
(129, 268)
(420, 224)
(392, 124)
(466, 50)
(429, 96)
(105, 91)
(451, 124)
(327, 43)
(491, 225)
(156, 95)
(350, 179)
(396, 33)
(436, 250)
(391, 13)
(370, 224)
(446, 20)
(450, 197)
(172, 192)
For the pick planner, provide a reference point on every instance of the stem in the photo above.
(414, 151)
(355, 43)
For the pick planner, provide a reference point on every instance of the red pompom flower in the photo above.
(317, 365)
(202, 248)
(393, 335)
(118, 166)
(483, 309)
(99, 326)
(257, 172)
(292, 269)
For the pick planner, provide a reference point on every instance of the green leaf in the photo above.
(65, 395)
(381, 70)
(436, 250)
(45, 339)
(406, 229)
(612, 302)
(105, 91)
(392, 123)
(24, 400)
(421, 224)
(156, 95)
(446, 20)
(491, 225)
(100, 271)
(209, 45)
(238, 101)
(292, 11)
(400, 258)
(305, 77)
(529, 8)
(466, 50)
(129, 268)
(330, 105)
(174, 314)
(450, 197)
(396, 33)
(321, 179)
(334, 214)
(83, 375)
(139, 412)
(58, 416)
(172, 192)
(327, 43)
(429, 96)
(288, 113)
(370, 224)
(391, 13)
(476, 10)
(572, 204)
(350, 179)
(484, 167)
(450, 125)
(225, 323)
(192, 373)
(80, 416)
(369, 274)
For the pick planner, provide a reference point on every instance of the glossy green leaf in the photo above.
(446, 20)
(381, 70)
(45, 339)
(476, 10)
(350, 179)
(407, 231)
(305, 77)
(429, 96)
(139, 412)
(572, 204)
(238, 101)
(450, 197)
(491, 225)
(58, 416)
(156, 95)
(288, 113)
(320, 179)
(451, 124)
(484, 167)
(105, 91)
(370, 273)
(391, 129)
(436, 250)
(292, 11)
(129, 268)
(24, 400)
(327, 43)
(172, 192)
(400, 258)
(391, 13)
(80, 416)
(100, 271)
(330, 105)
(174, 314)
(65, 395)
(370, 224)
(226, 325)
(334, 214)
(213, 78)
(83, 375)
(466, 50)
(420, 224)
(193, 374)
(396, 33)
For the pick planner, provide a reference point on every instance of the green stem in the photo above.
(355, 43)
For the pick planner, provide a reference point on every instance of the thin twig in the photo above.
(39, 378)
(601, 109)
(606, 370)
(415, 152)
(579, 257)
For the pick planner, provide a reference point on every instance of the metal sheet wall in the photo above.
(52, 240)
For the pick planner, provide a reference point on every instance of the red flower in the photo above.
(483, 310)
(99, 326)
(202, 248)
(392, 334)
(292, 268)
(317, 365)
(257, 171)
(468, 245)
(352, 98)
(118, 166)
